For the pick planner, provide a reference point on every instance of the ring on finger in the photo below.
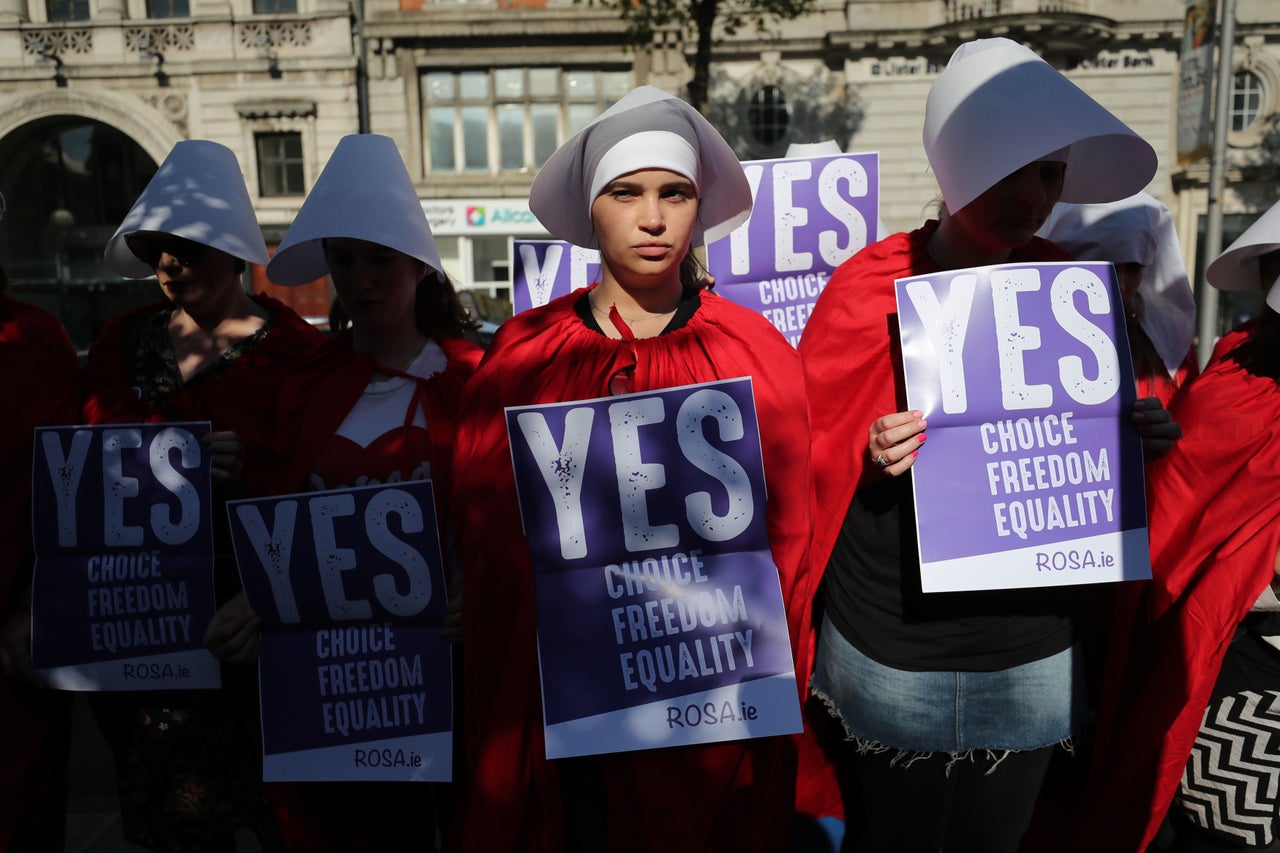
(881, 461)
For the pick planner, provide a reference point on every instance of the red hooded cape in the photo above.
(1215, 530)
(241, 399)
(853, 371)
(41, 388)
(730, 796)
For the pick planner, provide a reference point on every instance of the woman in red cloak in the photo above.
(188, 763)
(645, 182)
(952, 702)
(1190, 721)
(377, 404)
(42, 388)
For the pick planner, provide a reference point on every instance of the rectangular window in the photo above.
(275, 7)
(280, 164)
(510, 119)
(61, 11)
(168, 8)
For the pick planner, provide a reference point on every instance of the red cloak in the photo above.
(319, 396)
(314, 403)
(1215, 531)
(852, 359)
(240, 399)
(41, 388)
(730, 796)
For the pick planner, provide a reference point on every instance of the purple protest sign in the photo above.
(355, 676)
(660, 614)
(123, 584)
(1033, 474)
(810, 216)
(542, 270)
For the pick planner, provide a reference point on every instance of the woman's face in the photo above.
(195, 277)
(376, 284)
(1009, 213)
(644, 225)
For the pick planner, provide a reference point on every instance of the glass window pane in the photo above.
(475, 139)
(511, 136)
(280, 164)
(615, 84)
(580, 115)
(438, 86)
(440, 133)
(768, 116)
(580, 84)
(473, 85)
(273, 7)
(544, 132)
(60, 11)
(168, 9)
(486, 254)
(508, 83)
(544, 82)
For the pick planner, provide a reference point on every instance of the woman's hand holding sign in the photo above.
(894, 441)
(234, 632)
(1158, 428)
(226, 462)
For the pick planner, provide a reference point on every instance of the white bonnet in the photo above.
(646, 129)
(997, 106)
(364, 193)
(198, 193)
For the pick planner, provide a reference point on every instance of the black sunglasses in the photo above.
(149, 247)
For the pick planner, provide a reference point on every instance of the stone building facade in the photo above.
(477, 93)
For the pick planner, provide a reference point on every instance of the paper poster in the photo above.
(1032, 474)
(660, 614)
(355, 675)
(542, 270)
(123, 585)
(810, 216)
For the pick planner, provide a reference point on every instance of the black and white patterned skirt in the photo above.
(1230, 789)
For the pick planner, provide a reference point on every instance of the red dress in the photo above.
(42, 388)
(728, 796)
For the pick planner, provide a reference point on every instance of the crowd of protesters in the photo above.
(1099, 718)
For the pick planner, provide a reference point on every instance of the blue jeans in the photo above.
(1025, 707)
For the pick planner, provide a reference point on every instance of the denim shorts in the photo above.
(1025, 707)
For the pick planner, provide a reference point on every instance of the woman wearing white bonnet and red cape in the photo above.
(999, 125)
(727, 796)
(1215, 532)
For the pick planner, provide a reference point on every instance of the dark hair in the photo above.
(693, 275)
(437, 311)
(1259, 353)
(4, 279)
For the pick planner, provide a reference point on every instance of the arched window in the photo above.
(68, 182)
(768, 116)
(1246, 100)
